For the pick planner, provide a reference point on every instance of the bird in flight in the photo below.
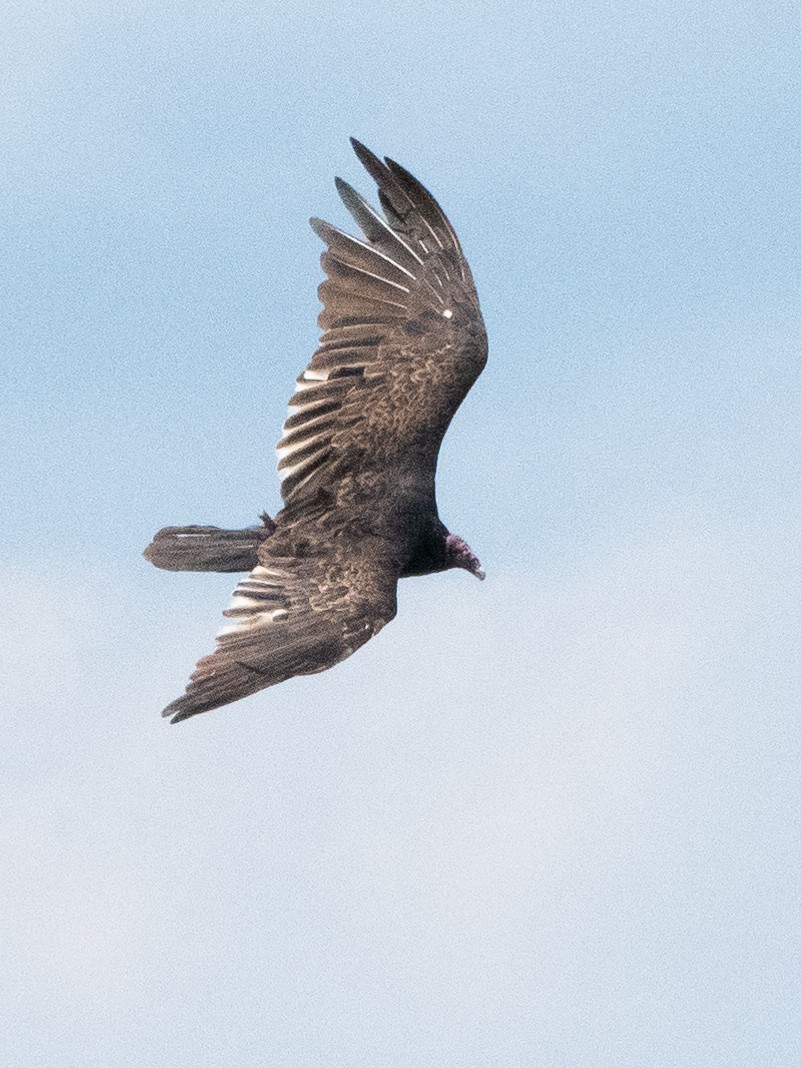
(403, 341)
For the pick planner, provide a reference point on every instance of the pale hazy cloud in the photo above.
(546, 792)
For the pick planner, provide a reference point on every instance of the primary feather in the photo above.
(403, 341)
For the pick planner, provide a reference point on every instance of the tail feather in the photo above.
(196, 548)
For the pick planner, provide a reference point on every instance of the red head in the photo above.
(459, 554)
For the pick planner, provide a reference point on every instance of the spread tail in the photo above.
(197, 548)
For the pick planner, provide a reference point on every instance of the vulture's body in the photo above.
(403, 341)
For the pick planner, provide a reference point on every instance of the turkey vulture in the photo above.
(403, 341)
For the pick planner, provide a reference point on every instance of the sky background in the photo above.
(550, 821)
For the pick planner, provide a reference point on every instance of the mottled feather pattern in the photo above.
(403, 341)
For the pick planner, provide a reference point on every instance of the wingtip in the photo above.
(363, 153)
(371, 163)
(317, 226)
(346, 191)
(175, 713)
(342, 187)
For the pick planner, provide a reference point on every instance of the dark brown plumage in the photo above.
(403, 341)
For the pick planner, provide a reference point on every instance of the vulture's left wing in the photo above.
(293, 617)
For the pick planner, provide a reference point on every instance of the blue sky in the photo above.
(549, 820)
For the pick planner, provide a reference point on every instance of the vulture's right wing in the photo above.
(403, 342)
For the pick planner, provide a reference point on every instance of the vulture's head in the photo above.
(459, 554)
